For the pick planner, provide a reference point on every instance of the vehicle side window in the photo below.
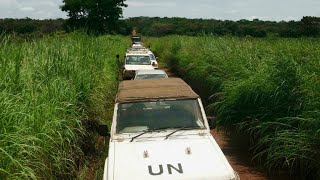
(152, 57)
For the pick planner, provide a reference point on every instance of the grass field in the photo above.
(53, 93)
(55, 90)
(269, 88)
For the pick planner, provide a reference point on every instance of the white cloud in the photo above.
(218, 9)
(48, 4)
(232, 11)
(225, 9)
(255, 17)
(289, 18)
(136, 4)
(145, 4)
(27, 9)
(36, 9)
(5, 4)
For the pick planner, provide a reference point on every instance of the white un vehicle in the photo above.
(160, 131)
(136, 60)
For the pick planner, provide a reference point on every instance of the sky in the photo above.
(275, 10)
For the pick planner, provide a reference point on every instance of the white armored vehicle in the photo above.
(160, 131)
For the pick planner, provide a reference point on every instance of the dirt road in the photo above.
(236, 149)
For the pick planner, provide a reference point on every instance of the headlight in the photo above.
(154, 65)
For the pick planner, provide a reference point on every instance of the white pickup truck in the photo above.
(160, 131)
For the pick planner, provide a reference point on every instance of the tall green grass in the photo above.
(269, 88)
(52, 91)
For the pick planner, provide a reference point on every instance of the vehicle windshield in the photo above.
(152, 57)
(138, 60)
(165, 114)
(150, 76)
(135, 49)
(136, 39)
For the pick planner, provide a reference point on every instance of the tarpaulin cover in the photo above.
(148, 89)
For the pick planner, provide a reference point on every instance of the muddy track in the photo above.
(236, 149)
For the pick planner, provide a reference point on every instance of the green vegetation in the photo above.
(155, 26)
(269, 88)
(53, 93)
(30, 28)
(95, 16)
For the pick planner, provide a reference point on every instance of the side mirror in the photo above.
(157, 57)
(103, 130)
(212, 122)
(117, 56)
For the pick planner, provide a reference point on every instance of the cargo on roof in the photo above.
(153, 89)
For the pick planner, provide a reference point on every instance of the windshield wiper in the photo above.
(147, 131)
(180, 129)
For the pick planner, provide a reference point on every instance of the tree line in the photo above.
(27, 27)
(156, 26)
(307, 26)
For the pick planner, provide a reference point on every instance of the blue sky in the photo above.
(218, 9)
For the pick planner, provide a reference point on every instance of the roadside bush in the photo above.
(50, 90)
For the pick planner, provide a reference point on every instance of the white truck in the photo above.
(136, 60)
(154, 60)
(160, 131)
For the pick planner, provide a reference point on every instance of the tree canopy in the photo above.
(155, 26)
(96, 16)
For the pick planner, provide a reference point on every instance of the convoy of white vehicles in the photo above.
(160, 129)
(138, 58)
